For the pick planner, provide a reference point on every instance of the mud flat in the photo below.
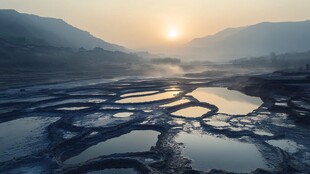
(217, 123)
(24, 136)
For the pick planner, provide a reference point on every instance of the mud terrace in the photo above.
(241, 124)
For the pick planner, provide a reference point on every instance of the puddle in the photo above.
(124, 84)
(110, 107)
(209, 152)
(149, 160)
(196, 124)
(123, 114)
(217, 123)
(84, 100)
(99, 119)
(114, 171)
(246, 121)
(93, 133)
(173, 89)
(228, 101)
(286, 145)
(147, 111)
(23, 136)
(135, 141)
(175, 103)
(191, 112)
(263, 133)
(88, 100)
(96, 100)
(67, 134)
(281, 104)
(71, 108)
(195, 83)
(138, 93)
(178, 121)
(150, 98)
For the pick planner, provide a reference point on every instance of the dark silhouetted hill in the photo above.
(55, 32)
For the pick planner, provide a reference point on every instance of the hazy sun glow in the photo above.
(124, 23)
(173, 34)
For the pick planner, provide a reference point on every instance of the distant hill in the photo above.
(278, 62)
(254, 40)
(24, 63)
(54, 32)
(14, 55)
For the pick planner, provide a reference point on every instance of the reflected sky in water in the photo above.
(191, 112)
(71, 108)
(228, 101)
(176, 103)
(150, 98)
(209, 152)
(138, 93)
(123, 114)
(135, 141)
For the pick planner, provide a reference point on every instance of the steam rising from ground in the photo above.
(165, 70)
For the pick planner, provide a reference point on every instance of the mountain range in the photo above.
(232, 43)
(254, 40)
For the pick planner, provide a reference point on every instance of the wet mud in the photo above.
(138, 125)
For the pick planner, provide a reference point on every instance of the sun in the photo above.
(173, 34)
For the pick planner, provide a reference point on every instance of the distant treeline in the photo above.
(166, 60)
(281, 61)
(19, 53)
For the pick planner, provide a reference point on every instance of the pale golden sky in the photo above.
(158, 24)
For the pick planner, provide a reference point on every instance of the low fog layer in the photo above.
(46, 49)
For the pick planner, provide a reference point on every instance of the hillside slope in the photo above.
(54, 32)
(254, 40)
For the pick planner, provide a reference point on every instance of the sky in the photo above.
(156, 25)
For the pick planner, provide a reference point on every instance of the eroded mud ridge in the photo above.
(177, 125)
